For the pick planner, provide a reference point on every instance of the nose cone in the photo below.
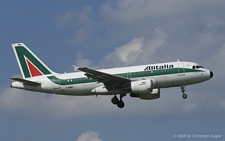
(211, 74)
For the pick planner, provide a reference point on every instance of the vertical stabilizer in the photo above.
(30, 65)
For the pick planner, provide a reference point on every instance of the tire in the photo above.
(114, 100)
(120, 104)
(184, 96)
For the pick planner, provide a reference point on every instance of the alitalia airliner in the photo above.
(143, 81)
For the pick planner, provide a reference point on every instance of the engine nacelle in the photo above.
(142, 86)
(155, 94)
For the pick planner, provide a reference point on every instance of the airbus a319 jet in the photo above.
(143, 81)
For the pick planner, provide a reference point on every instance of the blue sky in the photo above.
(103, 34)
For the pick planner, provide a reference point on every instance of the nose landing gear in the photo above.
(184, 96)
(118, 102)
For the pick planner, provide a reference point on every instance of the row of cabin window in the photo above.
(125, 74)
(78, 79)
(144, 72)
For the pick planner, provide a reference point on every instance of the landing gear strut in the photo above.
(118, 102)
(184, 96)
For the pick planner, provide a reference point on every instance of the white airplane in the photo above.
(144, 81)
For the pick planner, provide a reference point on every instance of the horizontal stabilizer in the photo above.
(26, 81)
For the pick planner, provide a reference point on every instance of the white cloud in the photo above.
(133, 11)
(129, 11)
(81, 20)
(129, 52)
(64, 19)
(89, 136)
(81, 61)
(74, 16)
(137, 51)
(48, 106)
(41, 105)
(151, 46)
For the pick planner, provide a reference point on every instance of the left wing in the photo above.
(101, 76)
(109, 80)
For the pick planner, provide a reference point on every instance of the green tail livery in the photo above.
(30, 65)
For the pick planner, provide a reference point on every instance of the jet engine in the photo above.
(142, 86)
(144, 89)
(155, 94)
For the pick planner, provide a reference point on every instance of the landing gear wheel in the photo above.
(184, 96)
(183, 92)
(114, 100)
(120, 104)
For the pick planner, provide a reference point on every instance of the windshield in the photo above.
(197, 67)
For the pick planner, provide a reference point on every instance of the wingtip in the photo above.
(75, 68)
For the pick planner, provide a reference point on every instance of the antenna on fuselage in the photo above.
(178, 60)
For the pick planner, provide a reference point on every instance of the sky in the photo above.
(113, 33)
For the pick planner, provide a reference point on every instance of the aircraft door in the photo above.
(181, 70)
(129, 75)
(56, 83)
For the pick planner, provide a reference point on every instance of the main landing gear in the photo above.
(118, 102)
(184, 96)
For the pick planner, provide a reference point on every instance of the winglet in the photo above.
(75, 68)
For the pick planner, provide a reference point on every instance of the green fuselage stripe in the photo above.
(125, 75)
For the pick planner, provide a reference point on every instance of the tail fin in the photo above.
(30, 65)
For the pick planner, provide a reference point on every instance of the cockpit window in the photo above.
(197, 67)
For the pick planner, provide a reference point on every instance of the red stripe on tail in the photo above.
(33, 70)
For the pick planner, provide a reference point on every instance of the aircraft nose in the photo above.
(211, 74)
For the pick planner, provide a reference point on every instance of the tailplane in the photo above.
(30, 65)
